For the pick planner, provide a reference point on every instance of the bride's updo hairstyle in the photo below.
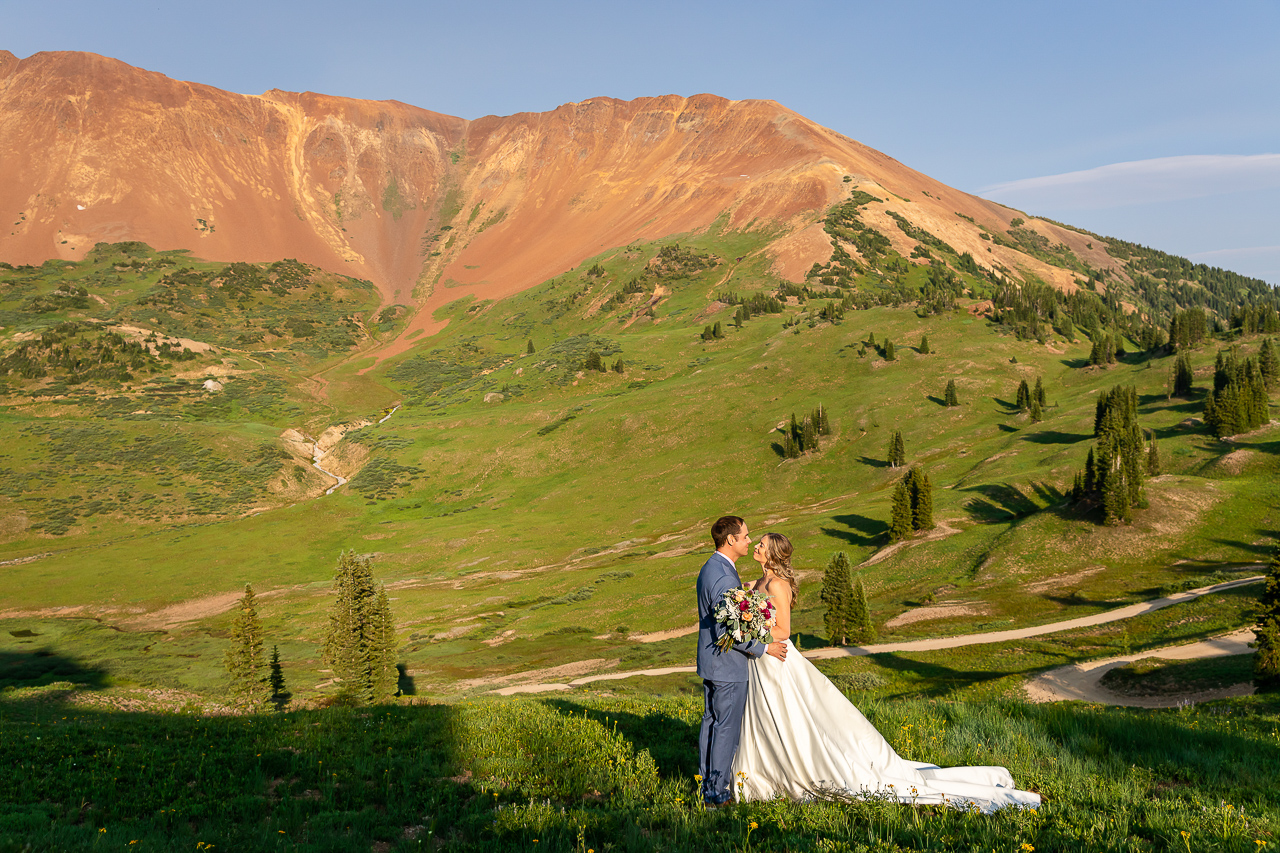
(777, 559)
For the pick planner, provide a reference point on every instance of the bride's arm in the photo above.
(780, 594)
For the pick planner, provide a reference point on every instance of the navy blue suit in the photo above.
(724, 682)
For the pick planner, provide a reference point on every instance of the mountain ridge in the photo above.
(416, 200)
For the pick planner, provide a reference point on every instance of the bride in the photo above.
(802, 738)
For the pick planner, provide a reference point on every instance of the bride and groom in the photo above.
(774, 725)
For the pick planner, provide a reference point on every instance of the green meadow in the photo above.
(536, 519)
(525, 512)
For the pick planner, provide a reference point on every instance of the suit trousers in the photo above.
(723, 705)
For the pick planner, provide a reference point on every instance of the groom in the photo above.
(724, 674)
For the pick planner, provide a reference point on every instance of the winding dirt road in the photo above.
(1078, 681)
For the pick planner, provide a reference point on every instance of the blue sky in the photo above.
(1154, 122)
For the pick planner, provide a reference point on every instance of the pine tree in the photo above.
(836, 595)
(1269, 364)
(809, 436)
(717, 331)
(529, 347)
(246, 661)
(1024, 396)
(618, 366)
(1037, 394)
(889, 354)
(920, 492)
(707, 333)
(1037, 414)
(1153, 457)
(924, 345)
(1182, 376)
(949, 397)
(900, 513)
(1266, 658)
(360, 642)
(279, 693)
(897, 450)
(861, 631)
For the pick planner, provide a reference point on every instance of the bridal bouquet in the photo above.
(745, 615)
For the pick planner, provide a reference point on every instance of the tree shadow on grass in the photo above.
(1006, 502)
(861, 531)
(938, 400)
(1007, 428)
(1051, 436)
(874, 463)
(935, 679)
(41, 667)
(671, 741)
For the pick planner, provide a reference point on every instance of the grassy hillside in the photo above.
(528, 512)
(590, 772)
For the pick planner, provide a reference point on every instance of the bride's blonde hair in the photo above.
(777, 559)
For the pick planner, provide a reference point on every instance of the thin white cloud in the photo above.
(1162, 179)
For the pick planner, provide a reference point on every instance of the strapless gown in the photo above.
(801, 738)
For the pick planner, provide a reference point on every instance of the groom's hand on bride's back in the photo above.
(778, 650)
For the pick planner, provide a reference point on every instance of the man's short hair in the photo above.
(725, 527)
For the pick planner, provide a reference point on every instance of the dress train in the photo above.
(801, 738)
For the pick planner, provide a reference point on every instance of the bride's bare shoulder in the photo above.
(779, 590)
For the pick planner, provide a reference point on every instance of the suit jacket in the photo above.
(716, 578)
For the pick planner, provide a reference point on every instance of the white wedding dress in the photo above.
(801, 738)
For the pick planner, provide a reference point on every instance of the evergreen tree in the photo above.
(924, 345)
(1239, 401)
(717, 331)
(889, 354)
(360, 642)
(949, 397)
(837, 595)
(529, 347)
(279, 693)
(1037, 394)
(1118, 462)
(1037, 414)
(900, 514)
(1182, 376)
(920, 493)
(1153, 457)
(1024, 396)
(707, 333)
(790, 447)
(1269, 364)
(618, 367)
(246, 660)
(1266, 658)
(897, 450)
(809, 436)
(861, 631)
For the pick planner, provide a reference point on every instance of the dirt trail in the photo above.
(1231, 641)
(1081, 680)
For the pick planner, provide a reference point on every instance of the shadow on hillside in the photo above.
(671, 741)
(861, 530)
(1261, 550)
(41, 667)
(1055, 437)
(1077, 599)
(1005, 502)
(1272, 447)
(938, 400)
(874, 463)
(404, 681)
(938, 680)
(1008, 406)
(1008, 428)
